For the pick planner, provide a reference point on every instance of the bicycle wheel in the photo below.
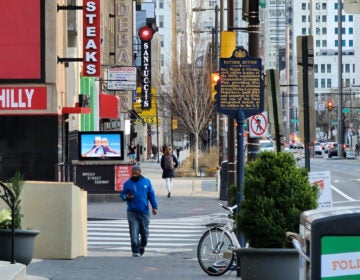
(214, 252)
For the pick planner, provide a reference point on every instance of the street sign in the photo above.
(122, 78)
(241, 86)
(258, 125)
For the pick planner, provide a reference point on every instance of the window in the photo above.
(324, 43)
(347, 83)
(347, 68)
(351, 18)
(351, 30)
(328, 68)
(161, 21)
(316, 68)
(316, 83)
(328, 83)
(317, 43)
(161, 4)
(303, 31)
(162, 41)
(322, 68)
(323, 6)
(342, 43)
(351, 43)
(322, 83)
(303, 18)
(303, 6)
(317, 30)
(324, 31)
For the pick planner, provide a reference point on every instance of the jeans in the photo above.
(139, 227)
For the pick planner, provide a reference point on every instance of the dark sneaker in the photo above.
(169, 194)
(142, 251)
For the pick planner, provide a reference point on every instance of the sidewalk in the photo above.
(190, 197)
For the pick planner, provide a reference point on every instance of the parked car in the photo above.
(333, 150)
(266, 145)
(318, 148)
(327, 146)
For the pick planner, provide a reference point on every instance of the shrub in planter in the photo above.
(276, 191)
(23, 238)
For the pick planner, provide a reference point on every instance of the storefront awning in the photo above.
(109, 106)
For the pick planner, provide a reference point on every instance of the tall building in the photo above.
(321, 20)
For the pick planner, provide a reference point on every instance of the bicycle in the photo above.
(215, 249)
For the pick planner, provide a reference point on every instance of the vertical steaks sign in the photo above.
(23, 98)
(91, 38)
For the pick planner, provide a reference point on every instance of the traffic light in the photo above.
(215, 79)
(330, 105)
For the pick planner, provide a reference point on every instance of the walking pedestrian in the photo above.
(132, 152)
(138, 192)
(168, 164)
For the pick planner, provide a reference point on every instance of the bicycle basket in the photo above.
(219, 220)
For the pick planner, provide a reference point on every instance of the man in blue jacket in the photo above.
(137, 192)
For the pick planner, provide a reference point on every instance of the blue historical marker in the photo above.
(241, 87)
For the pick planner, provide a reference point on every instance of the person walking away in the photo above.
(132, 152)
(138, 192)
(178, 153)
(168, 164)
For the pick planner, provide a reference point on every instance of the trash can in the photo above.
(223, 180)
(330, 238)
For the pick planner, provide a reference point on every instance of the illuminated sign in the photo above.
(146, 74)
(22, 33)
(123, 32)
(23, 98)
(91, 38)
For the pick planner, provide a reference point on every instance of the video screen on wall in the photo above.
(101, 145)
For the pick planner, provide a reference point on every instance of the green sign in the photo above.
(293, 120)
(262, 3)
(340, 258)
(346, 110)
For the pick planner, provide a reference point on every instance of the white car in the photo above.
(318, 148)
(266, 145)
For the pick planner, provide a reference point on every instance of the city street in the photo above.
(171, 253)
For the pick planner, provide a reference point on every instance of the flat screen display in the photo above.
(101, 145)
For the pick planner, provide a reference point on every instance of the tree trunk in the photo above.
(196, 154)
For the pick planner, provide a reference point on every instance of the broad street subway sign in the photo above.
(241, 86)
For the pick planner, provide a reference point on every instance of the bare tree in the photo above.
(190, 99)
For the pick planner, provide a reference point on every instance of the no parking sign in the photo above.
(258, 125)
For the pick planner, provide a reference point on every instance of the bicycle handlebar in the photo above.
(228, 208)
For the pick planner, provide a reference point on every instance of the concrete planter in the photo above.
(24, 245)
(268, 264)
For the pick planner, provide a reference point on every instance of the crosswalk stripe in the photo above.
(166, 235)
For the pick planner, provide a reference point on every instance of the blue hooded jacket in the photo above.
(142, 191)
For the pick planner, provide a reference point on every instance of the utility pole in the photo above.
(254, 39)
(231, 123)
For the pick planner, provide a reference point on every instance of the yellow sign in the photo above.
(147, 120)
(174, 124)
(147, 112)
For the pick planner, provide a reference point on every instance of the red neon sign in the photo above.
(91, 38)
